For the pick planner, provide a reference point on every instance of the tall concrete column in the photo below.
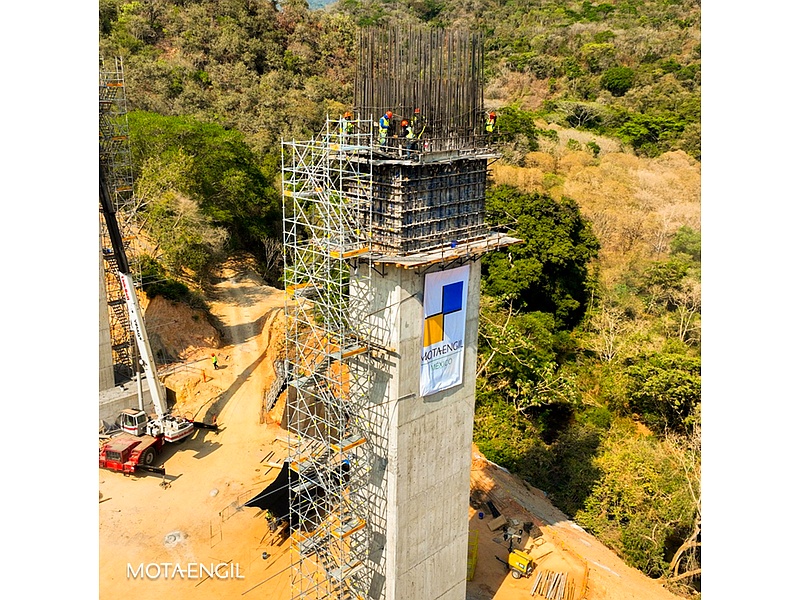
(428, 439)
(106, 360)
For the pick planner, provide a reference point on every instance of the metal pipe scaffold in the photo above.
(115, 158)
(327, 189)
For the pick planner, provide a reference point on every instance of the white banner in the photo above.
(444, 323)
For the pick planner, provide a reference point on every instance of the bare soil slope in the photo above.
(594, 571)
(195, 515)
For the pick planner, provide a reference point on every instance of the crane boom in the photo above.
(143, 343)
(172, 428)
(131, 300)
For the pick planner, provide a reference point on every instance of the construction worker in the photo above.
(407, 134)
(383, 128)
(214, 361)
(418, 123)
(346, 126)
(491, 121)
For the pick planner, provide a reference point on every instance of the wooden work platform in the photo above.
(397, 156)
(467, 250)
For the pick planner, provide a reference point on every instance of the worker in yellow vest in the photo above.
(491, 121)
(407, 134)
(383, 128)
(346, 124)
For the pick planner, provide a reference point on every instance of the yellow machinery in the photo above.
(521, 564)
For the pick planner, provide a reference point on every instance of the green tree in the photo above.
(427, 10)
(651, 134)
(185, 238)
(519, 356)
(646, 498)
(518, 130)
(664, 390)
(617, 80)
(549, 271)
(686, 241)
(222, 175)
(598, 57)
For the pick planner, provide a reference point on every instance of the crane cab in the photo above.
(172, 428)
(133, 421)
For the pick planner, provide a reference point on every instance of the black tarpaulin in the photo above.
(309, 506)
(274, 497)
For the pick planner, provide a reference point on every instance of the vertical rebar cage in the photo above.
(438, 71)
(327, 187)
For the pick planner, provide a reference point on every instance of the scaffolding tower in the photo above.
(115, 159)
(327, 189)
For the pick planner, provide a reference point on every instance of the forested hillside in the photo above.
(589, 357)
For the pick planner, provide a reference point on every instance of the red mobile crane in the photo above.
(143, 435)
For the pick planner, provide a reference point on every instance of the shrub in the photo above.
(542, 67)
(664, 390)
(617, 80)
(686, 241)
(156, 283)
(651, 134)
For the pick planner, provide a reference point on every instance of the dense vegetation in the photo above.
(602, 413)
(589, 357)
(625, 68)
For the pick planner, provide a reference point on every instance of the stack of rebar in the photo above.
(553, 586)
(438, 71)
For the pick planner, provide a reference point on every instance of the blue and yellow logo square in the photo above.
(451, 303)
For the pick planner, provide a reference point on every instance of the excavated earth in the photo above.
(195, 514)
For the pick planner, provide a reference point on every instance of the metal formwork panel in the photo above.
(418, 207)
